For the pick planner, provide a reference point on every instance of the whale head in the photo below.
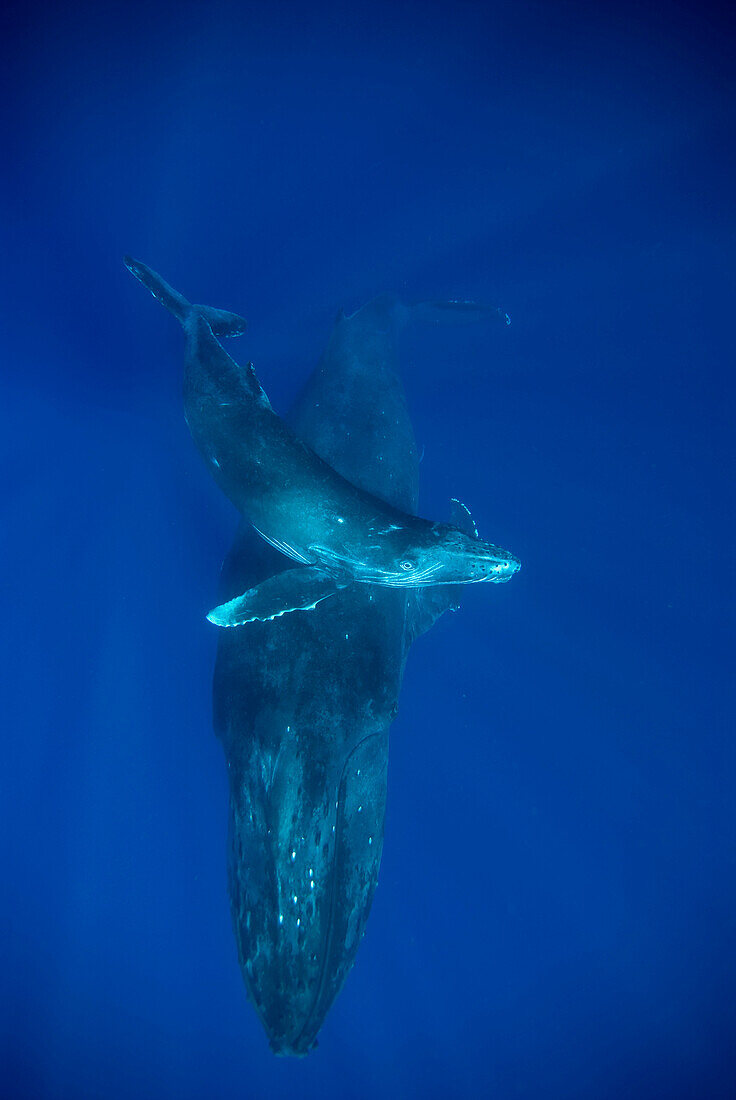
(420, 554)
(443, 554)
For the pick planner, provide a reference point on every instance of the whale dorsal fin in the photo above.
(293, 590)
(460, 517)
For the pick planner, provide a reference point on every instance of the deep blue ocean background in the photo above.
(554, 917)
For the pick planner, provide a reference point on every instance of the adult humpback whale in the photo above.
(303, 703)
(340, 534)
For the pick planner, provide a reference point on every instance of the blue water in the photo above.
(554, 917)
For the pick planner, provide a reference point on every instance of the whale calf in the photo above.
(338, 533)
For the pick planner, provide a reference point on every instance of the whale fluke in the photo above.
(220, 321)
(456, 311)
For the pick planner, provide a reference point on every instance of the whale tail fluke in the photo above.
(175, 302)
(456, 311)
(220, 321)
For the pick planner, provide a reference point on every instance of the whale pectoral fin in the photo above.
(460, 517)
(293, 590)
(425, 605)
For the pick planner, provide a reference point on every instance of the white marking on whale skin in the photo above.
(283, 548)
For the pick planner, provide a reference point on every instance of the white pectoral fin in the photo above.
(293, 590)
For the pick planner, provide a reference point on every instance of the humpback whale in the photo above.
(338, 533)
(303, 703)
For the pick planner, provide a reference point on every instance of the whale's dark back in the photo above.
(303, 704)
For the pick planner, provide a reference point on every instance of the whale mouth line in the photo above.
(421, 579)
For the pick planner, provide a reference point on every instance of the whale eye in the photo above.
(407, 565)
